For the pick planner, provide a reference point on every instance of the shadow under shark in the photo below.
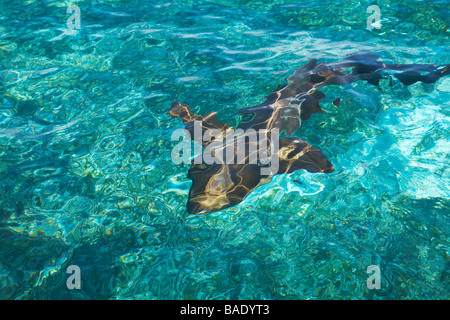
(219, 185)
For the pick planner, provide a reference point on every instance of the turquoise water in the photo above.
(86, 176)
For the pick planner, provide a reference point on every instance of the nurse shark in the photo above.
(224, 183)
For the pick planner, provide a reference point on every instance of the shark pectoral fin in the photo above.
(311, 104)
(295, 154)
(219, 186)
(208, 189)
(204, 122)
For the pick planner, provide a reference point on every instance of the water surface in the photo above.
(86, 176)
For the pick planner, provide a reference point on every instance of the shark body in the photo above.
(216, 186)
